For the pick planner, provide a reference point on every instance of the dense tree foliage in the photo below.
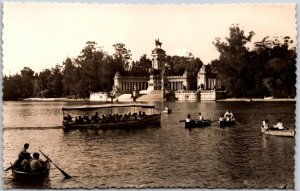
(268, 70)
(92, 70)
(178, 65)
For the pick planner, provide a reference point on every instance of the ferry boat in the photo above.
(112, 116)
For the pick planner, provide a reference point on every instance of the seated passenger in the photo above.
(65, 118)
(125, 117)
(23, 152)
(230, 115)
(226, 114)
(86, 119)
(26, 162)
(76, 120)
(95, 118)
(279, 125)
(200, 117)
(265, 124)
(188, 118)
(80, 120)
(121, 118)
(36, 164)
(144, 114)
(227, 118)
(140, 114)
(221, 118)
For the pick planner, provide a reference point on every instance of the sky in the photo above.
(41, 35)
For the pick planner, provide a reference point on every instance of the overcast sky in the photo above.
(40, 35)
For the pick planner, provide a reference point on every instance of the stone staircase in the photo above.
(154, 95)
(124, 98)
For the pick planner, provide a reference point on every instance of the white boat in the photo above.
(99, 96)
(283, 133)
(167, 111)
(271, 97)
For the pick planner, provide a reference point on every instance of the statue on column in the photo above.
(157, 43)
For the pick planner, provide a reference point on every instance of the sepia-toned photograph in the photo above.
(149, 96)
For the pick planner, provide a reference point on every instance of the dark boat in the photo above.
(149, 119)
(227, 123)
(39, 177)
(195, 124)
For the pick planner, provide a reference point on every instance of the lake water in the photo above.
(157, 157)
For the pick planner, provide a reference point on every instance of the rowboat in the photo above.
(167, 111)
(195, 124)
(39, 177)
(282, 133)
(149, 118)
(226, 123)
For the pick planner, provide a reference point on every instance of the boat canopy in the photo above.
(94, 107)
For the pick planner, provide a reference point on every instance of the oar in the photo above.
(11, 166)
(264, 131)
(63, 172)
(182, 121)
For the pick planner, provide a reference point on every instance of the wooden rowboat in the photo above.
(39, 177)
(195, 124)
(167, 111)
(282, 133)
(226, 123)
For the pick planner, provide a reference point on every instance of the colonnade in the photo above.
(177, 85)
(129, 86)
(211, 83)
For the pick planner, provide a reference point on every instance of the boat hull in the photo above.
(196, 124)
(32, 177)
(226, 123)
(282, 133)
(169, 111)
(148, 120)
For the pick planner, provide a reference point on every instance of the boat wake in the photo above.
(32, 128)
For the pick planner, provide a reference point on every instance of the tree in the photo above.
(27, 82)
(70, 78)
(122, 55)
(278, 65)
(55, 84)
(231, 63)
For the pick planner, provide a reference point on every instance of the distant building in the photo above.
(157, 82)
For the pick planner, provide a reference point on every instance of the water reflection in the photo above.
(165, 156)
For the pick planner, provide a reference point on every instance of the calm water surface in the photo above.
(165, 156)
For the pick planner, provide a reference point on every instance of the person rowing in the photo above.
(200, 117)
(228, 116)
(221, 118)
(188, 118)
(265, 124)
